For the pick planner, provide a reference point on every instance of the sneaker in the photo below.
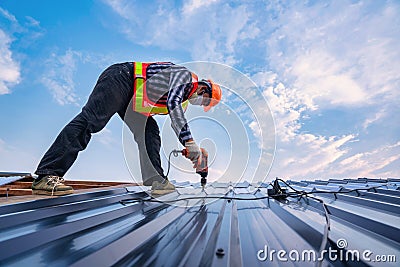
(151, 180)
(51, 185)
(162, 188)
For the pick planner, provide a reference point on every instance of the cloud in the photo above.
(32, 22)
(59, 76)
(10, 73)
(373, 118)
(10, 17)
(12, 34)
(337, 56)
(322, 78)
(298, 154)
(308, 155)
(302, 154)
(372, 164)
(194, 5)
(340, 53)
(207, 30)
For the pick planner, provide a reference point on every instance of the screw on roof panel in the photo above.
(220, 252)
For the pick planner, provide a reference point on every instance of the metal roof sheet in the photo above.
(225, 225)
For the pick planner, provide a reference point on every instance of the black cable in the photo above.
(169, 162)
(175, 152)
(152, 199)
(289, 194)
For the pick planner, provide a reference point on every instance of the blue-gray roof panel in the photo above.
(97, 229)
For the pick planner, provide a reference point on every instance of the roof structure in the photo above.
(223, 225)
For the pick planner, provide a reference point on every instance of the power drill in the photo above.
(202, 168)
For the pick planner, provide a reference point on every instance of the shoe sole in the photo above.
(162, 192)
(48, 193)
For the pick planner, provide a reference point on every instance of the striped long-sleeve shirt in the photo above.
(171, 85)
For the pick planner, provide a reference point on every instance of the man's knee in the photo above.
(94, 122)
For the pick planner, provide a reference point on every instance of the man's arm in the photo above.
(180, 81)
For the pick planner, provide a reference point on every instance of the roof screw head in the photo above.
(220, 252)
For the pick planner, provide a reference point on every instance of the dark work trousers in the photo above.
(112, 94)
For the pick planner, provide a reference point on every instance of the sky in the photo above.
(324, 103)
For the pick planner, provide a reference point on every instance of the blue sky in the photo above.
(329, 71)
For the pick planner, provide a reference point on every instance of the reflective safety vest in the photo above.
(141, 103)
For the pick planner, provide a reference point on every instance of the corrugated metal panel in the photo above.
(241, 228)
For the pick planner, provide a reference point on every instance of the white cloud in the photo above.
(194, 5)
(8, 15)
(373, 118)
(9, 68)
(301, 155)
(298, 154)
(308, 155)
(372, 163)
(208, 30)
(59, 76)
(340, 56)
(338, 52)
(121, 8)
(321, 77)
(32, 22)
(256, 128)
(14, 34)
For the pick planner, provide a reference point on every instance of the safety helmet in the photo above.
(215, 95)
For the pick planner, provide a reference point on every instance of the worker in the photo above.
(154, 88)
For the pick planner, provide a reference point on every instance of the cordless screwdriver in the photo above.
(202, 168)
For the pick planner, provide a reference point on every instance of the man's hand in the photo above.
(193, 153)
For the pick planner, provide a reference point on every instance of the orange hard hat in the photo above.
(216, 95)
